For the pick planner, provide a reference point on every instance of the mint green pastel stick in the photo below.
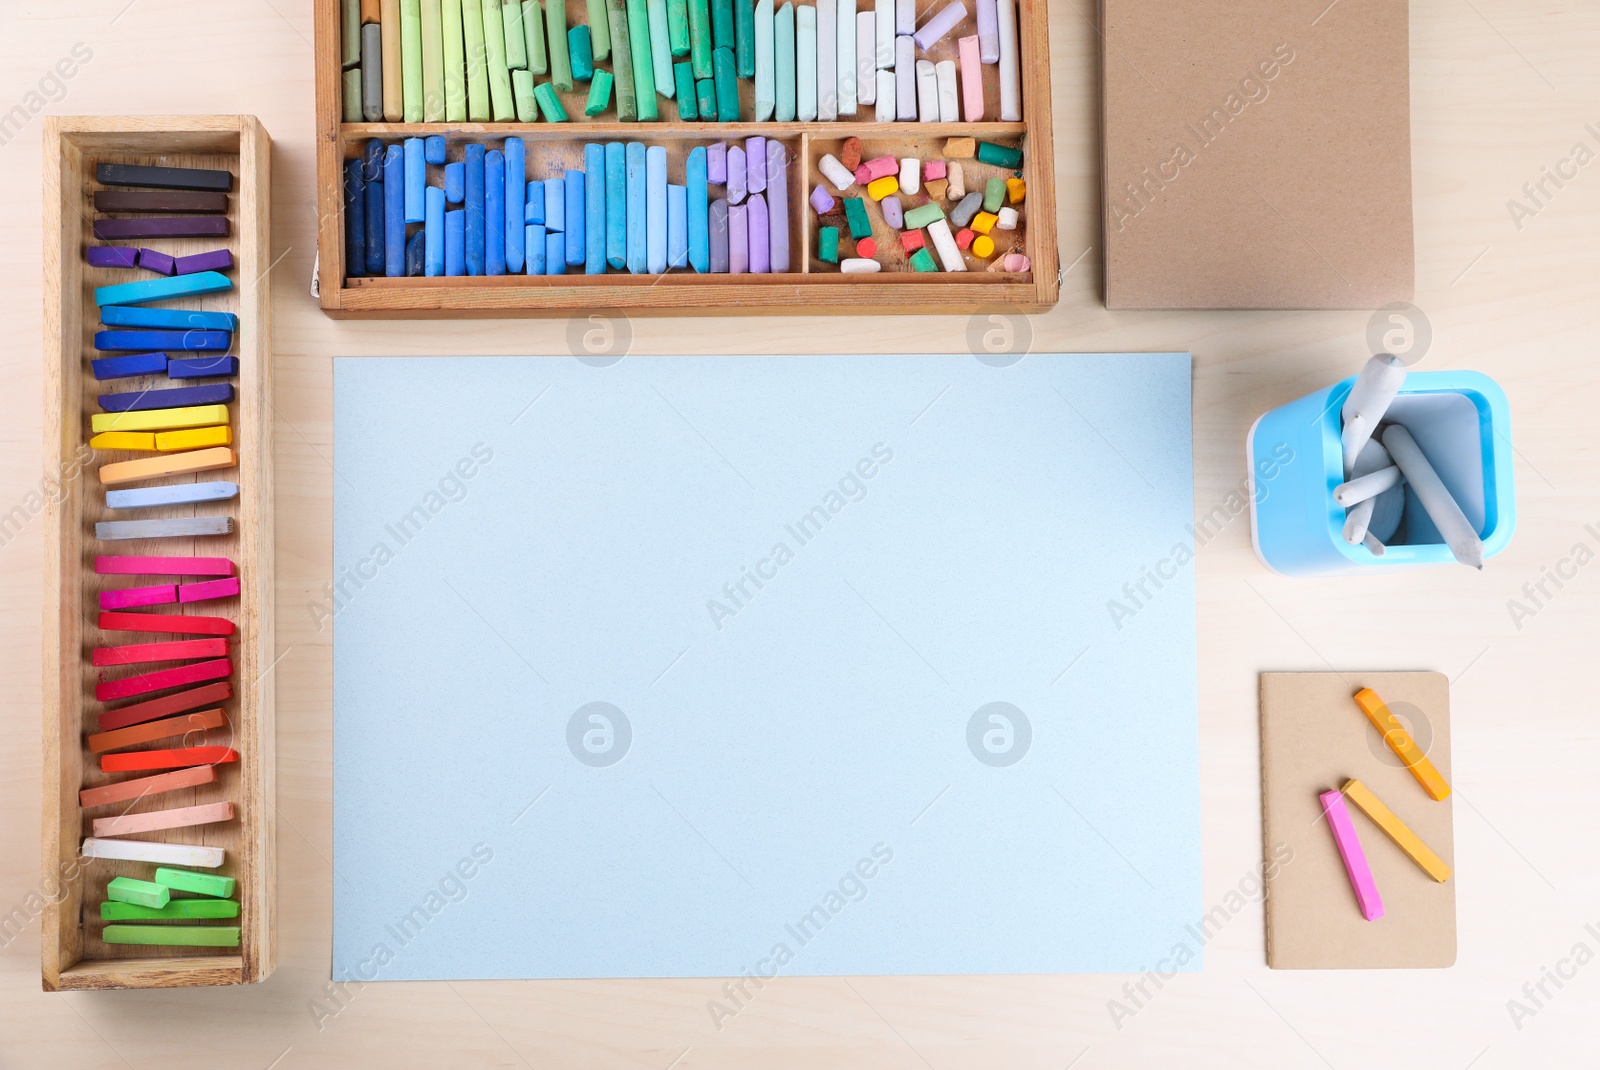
(533, 30)
(176, 908)
(411, 60)
(549, 103)
(599, 30)
(599, 93)
(783, 43)
(454, 49)
(352, 96)
(555, 22)
(644, 78)
(678, 27)
(622, 60)
(432, 62)
(477, 61)
(494, 47)
(700, 38)
(660, 50)
(522, 93)
(172, 935)
(350, 33)
(139, 893)
(516, 40)
(187, 880)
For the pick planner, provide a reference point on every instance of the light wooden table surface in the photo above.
(1500, 91)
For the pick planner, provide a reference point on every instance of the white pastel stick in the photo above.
(766, 63)
(910, 176)
(988, 32)
(172, 494)
(945, 243)
(935, 29)
(846, 33)
(837, 173)
(827, 60)
(949, 97)
(1358, 518)
(1356, 521)
(1009, 218)
(1010, 63)
(885, 34)
(1457, 531)
(805, 63)
(1377, 548)
(886, 97)
(905, 18)
(1369, 398)
(1367, 486)
(166, 854)
(905, 79)
(927, 92)
(867, 57)
(857, 266)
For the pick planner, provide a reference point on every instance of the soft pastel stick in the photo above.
(123, 440)
(1400, 741)
(180, 319)
(738, 174)
(701, 38)
(783, 71)
(454, 56)
(755, 164)
(698, 212)
(534, 241)
(355, 222)
(683, 86)
(475, 218)
(599, 93)
(112, 256)
(550, 105)
(1355, 860)
(185, 341)
(394, 221)
(576, 216)
(738, 239)
(130, 890)
(644, 77)
(778, 204)
(516, 39)
(202, 368)
(727, 84)
(133, 597)
(168, 528)
(393, 64)
(214, 260)
(455, 242)
(172, 398)
(183, 880)
(176, 908)
(622, 62)
(416, 253)
(433, 231)
(845, 40)
(171, 464)
(159, 419)
(376, 258)
(555, 252)
(744, 38)
(133, 364)
(137, 565)
(971, 80)
(718, 223)
(411, 60)
(616, 205)
(433, 92)
(885, 33)
(580, 50)
(677, 226)
(760, 235)
(656, 209)
(1010, 63)
(1396, 830)
(199, 672)
(705, 100)
(479, 105)
(172, 494)
(905, 16)
(195, 438)
(717, 163)
(158, 820)
(805, 63)
(494, 212)
(555, 207)
(827, 60)
(905, 79)
(599, 29)
(159, 623)
(416, 172)
(177, 854)
(594, 209)
(138, 293)
(139, 761)
(555, 15)
(724, 27)
(660, 47)
(988, 32)
(143, 653)
(494, 48)
(637, 200)
(941, 23)
(372, 73)
(866, 57)
(172, 935)
(144, 787)
(206, 590)
(349, 33)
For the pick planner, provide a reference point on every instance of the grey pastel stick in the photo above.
(1368, 486)
(174, 527)
(372, 72)
(172, 494)
(1358, 518)
(1369, 398)
(1446, 514)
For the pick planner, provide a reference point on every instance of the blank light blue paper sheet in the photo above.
(699, 666)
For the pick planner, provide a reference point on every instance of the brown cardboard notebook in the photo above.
(1313, 739)
(1257, 153)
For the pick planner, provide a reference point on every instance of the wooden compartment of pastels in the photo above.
(659, 124)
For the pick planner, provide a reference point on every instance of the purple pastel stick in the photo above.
(755, 155)
(738, 239)
(114, 256)
(738, 175)
(893, 213)
(822, 200)
(778, 204)
(194, 226)
(215, 260)
(719, 237)
(159, 262)
(935, 28)
(760, 223)
(717, 164)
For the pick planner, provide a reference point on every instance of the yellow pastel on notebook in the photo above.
(168, 464)
(1396, 830)
(123, 440)
(194, 438)
(159, 419)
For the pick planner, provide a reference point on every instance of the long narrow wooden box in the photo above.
(74, 956)
(811, 287)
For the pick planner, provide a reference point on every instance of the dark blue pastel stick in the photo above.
(576, 216)
(180, 319)
(616, 205)
(416, 179)
(113, 256)
(375, 250)
(372, 160)
(474, 218)
(594, 203)
(455, 242)
(494, 212)
(185, 341)
(637, 253)
(534, 239)
(455, 182)
(202, 367)
(533, 206)
(414, 254)
(133, 364)
(516, 204)
(433, 149)
(433, 227)
(555, 252)
(174, 398)
(394, 212)
(355, 218)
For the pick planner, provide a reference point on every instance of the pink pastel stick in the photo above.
(882, 167)
(156, 820)
(128, 565)
(200, 671)
(1355, 860)
(208, 589)
(128, 597)
(971, 79)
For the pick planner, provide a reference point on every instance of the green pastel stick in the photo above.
(432, 62)
(176, 908)
(352, 96)
(555, 21)
(350, 33)
(411, 60)
(855, 214)
(455, 62)
(644, 78)
(580, 51)
(622, 61)
(522, 93)
(921, 216)
(922, 260)
(477, 61)
(705, 99)
(599, 93)
(727, 79)
(828, 245)
(139, 893)
(744, 35)
(494, 47)
(660, 50)
(516, 39)
(173, 935)
(549, 103)
(994, 195)
(723, 34)
(783, 43)
(683, 79)
(187, 880)
(700, 39)
(678, 27)
(599, 29)
(533, 30)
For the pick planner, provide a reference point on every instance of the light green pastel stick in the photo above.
(555, 24)
(187, 880)
(700, 37)
(516, 40)
(432, 62)
(494, 49)
(533, 30)
(173, 935)
(176, 908)
(139, 893)
(622, 60)
(660, 52)
(522, 93)
(599, 31)
(477, 61)
(455, 62)
(644, 77)
(678, 27)
(350, 34)
(352, 96)
(411, 60)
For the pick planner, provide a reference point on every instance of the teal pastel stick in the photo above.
(137, 293)
(683, 77)
(744, 37)
(637, 206)
(698, 219)
(516, 154)
(727, 82)
(594, 202)
(617, 205)
(783, 66)
(580, 53)
(656, 209)
(433, 232)
(644, 78)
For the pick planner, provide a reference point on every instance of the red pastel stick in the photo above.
(134, 790)
(127, 565)
(157, 622)
(129, 597)
(137, 653)
(155, 681)
(140, 760)
(150, 709)
(208, 589)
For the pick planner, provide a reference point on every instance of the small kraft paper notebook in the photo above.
(1257, 153)
(1314, 738)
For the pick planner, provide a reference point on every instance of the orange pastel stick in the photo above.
(101, 742)
(1401, 743)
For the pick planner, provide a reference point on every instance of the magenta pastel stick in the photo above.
(1355, 860)
(130, 597)
(131, 565)
(208, 589)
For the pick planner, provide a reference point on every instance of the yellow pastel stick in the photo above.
(123, 440)
(1396, 830)
(1401, 743)
(159, 419)
(194, 438)
(167, 464)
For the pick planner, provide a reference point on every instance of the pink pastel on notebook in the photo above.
(208, 589)
(129, 597)
(1355, 859)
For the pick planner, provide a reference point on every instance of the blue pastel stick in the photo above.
(394, 212)
(636, 207)
(576, 215)
(184, 341)
(355, 219)
(533, 207)
(455, 242)
(699, 211)
(555, 207)
(455, 182)
(375, 251)
(171, 494)
(415, 252)
(132, 364)
(416, 179)
(677, 226)
(433, 227)
(616, 205)
(516, 154)
(202, 367)
(433, 149)
(494, 212)
(137, 293)
(656, 209)
(174, 398)
(534, 238)
(594, 208)
(178, 319)
(475, 218)
(555, 252)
